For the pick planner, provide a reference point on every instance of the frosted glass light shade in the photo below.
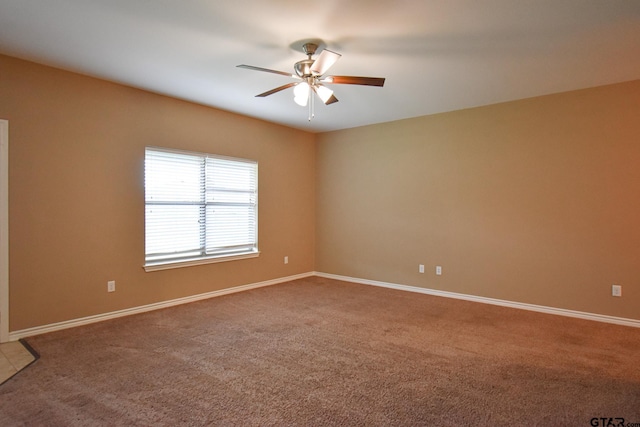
(301, 94)
(324, 93)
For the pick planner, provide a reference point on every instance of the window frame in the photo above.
(203, 258)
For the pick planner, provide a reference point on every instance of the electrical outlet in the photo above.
(111, 286)
(438, 270)
(616, 290)
(421, 268)
(286, 260)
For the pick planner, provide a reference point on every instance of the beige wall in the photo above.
(76, 196)
(535, 201)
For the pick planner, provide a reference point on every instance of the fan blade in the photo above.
(326, 59)
(331, 100)
(266, 70)
(278, 89)
(353, 80)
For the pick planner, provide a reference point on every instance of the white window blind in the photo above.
(199, 206)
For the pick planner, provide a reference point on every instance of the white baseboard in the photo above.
(23, 333)
(523, 306)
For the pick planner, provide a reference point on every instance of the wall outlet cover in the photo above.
(616, 290)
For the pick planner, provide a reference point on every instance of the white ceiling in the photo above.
(436, 55)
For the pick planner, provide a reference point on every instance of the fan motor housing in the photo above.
(303, 68)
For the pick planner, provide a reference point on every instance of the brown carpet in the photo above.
(322, 352)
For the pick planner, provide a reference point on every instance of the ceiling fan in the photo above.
(310, 73)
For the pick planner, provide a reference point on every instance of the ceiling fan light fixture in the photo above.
(324, 93)
(310, 74)
(301, 94)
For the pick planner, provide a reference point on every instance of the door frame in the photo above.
(4, 230)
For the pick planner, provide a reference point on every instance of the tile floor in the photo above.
(13, 358)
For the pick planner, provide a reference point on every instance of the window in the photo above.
(199, 208)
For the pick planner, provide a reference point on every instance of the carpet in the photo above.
(321, 352)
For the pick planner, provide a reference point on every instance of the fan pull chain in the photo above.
(310, 103)
(313, 104)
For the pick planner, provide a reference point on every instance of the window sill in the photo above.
(200, 261)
